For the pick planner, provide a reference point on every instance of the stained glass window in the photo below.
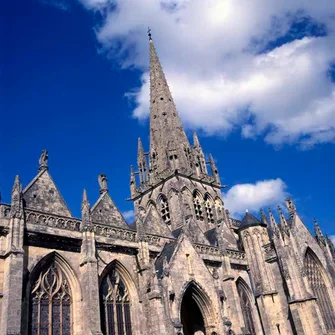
(50, 303)
(115, 305)
(320, 291)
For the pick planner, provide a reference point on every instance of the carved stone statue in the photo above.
(103, 183)
(43, 161)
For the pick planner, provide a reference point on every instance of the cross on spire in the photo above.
(149, 33)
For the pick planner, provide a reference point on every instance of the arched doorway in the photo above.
(191, 316)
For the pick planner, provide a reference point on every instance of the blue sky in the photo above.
(74, 82)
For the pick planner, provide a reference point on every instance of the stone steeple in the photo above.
(169, 145)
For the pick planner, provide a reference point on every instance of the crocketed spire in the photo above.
(168, 142)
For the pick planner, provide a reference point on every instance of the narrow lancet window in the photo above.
(209, 209)
(50, 303)
(115, 305)
(197, 203)
(164, 208)
(246, 308)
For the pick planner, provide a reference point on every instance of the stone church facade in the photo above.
(183, 267)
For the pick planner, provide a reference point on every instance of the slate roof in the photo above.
(250, 221)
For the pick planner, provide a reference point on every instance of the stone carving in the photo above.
(43, 161)
(103, 183)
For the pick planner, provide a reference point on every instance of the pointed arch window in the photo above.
(115, 305)
(319, 288)
(209, 209)
(246, 308)
(164, 209)
(50, 303)
(197, 203)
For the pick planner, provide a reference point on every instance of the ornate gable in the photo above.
(43, 195)
(104, 211)
(154, 224)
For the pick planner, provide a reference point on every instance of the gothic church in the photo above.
(183, 267)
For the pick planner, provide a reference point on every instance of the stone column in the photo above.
(90, 285)
(12, 294)
(13, 269)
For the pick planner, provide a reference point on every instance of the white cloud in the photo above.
(264, 193)
(128, 215)
(220, 79)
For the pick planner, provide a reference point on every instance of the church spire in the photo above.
(168, 141)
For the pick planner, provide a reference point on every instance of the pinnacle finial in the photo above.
(43, 161)
(263, 216)
(16, 202)
(103, 183)
(85, 195)
(273, 224)
(290, 206)
(132, 182)
(318, 231)
(85, 211)
(196, 142)
(284, 225)
(215, 172)
(149, 34)
(140, 149)
(141, 162)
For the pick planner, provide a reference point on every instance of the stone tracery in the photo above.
(319, 288)
(246, 306)
(50, 302)
(115, 304)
